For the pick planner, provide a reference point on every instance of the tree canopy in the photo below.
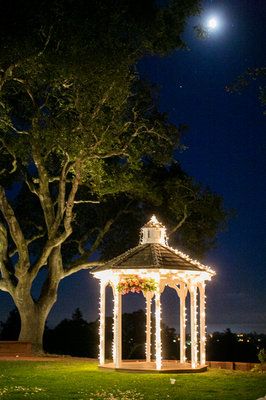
(250, 76)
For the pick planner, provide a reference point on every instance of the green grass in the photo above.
(80, 380)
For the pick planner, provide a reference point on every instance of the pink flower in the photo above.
(135, 284)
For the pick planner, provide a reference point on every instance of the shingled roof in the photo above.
(153, 256)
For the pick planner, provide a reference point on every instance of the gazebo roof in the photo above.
(152, 253)
(153, 256)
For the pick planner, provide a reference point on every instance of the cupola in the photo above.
(153, 232)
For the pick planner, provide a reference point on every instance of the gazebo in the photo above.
(153, 265)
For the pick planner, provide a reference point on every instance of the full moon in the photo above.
(212, 23)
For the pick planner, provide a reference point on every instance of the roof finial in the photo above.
(153, 232)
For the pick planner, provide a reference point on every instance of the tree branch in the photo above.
(71, 198)
(181, 222)
(14, 162)
(61, 194)
(50, 286)
(103, 101)
(83, 260)
(16, 234)
(110, 154)
(44, 192)
(29, 241)
(3, 253)
(100, 236)
(27, 88)
(55, 241)
(47, 249)
(79, 267)
(3, 285)
(30, 184)
(7, 74)
(86, 201)
(13, 128)
(48, 38)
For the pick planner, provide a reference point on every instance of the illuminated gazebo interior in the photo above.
(154, 261)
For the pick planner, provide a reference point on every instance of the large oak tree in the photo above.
(83, 147)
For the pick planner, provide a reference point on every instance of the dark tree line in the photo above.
(229, 346)
(77, 337)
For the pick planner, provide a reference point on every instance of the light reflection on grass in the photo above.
(81, 380)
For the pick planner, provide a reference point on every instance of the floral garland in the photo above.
(135, 284)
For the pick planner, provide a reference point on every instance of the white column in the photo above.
(182, 297)
(117, 344)
(148, 297)
(158, 344)
(202, 324)
(102, 323)
(194, 327)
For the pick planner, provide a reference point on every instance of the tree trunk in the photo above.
(33, 319)
(33, 314)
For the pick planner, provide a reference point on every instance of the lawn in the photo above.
(81, 380)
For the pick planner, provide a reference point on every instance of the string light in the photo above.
(202, 324)
(182, 295)
(113, 330)
(158, 330)
(192, 261)
(102, 324)
(117, 325)
(194, 326)
(148, 327)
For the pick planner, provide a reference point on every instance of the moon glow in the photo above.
(212, 23)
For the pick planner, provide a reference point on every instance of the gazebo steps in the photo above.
(168, 367)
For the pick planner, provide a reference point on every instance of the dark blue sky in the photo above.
(226, 151)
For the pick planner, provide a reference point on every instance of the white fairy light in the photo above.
(194, 262)
(158, 344)
(202, 324)
(113, 330)
(182, 295)
(194, 333)
(148, 327)
(102, 324)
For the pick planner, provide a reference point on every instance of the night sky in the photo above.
(226, 151)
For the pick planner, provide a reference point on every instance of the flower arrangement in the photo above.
(135, 284)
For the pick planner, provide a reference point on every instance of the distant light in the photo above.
(212, 23)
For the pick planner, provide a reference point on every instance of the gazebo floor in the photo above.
(168, 367)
